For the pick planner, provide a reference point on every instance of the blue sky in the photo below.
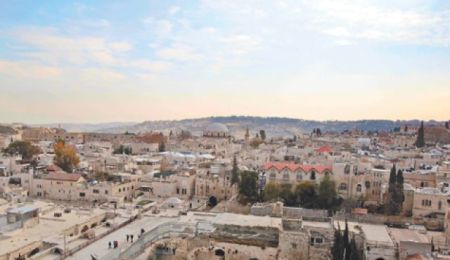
(63, 61)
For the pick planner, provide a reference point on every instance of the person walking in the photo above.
(128, 237)
(109, 245)
(132, 236)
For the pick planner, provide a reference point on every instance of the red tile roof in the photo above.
(294, 167)
(61, 176)
(324, 149)
(53, 168)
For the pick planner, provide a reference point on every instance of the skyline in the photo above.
(73, 62)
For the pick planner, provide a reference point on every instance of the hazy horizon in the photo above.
(208, 117)
(134, 61)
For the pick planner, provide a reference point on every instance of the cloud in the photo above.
(371, 22)
(178, 52)
(23, 69)
(150, 66)
(120, 46)
(242, 43)
(174, 10)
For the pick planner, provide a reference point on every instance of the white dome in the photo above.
(217, 128)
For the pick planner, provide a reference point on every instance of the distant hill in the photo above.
(7, 130)
(81, 127)
(274, 126)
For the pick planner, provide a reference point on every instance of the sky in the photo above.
(105, 61)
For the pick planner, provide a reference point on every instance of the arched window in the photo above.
(343, 186)
(358, 188)
(272, 176)
(347, 169)
(299, 176)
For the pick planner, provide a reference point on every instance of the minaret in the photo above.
(247, 135)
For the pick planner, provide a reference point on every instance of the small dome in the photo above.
(217, 128)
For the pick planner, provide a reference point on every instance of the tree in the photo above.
(235, 172)
(248, 186)
(255, 142)
(262, 134)
(287, 195)
(305, 194)
(337, 249)
(24, 148)
(65, 156)
(354, 253)
(162, 146)
(345, 242)
(327, 198)
(395, 197)
(123, 150)
(101, 176)
(420, 141)
(271, 191)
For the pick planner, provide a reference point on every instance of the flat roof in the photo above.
(23, 209)
(399, 235)
(47, 227)
(373, 233)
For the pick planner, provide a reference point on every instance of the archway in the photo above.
(212, 201)
(85, 228)
(219, 252)
(33, 252)
(58, 251)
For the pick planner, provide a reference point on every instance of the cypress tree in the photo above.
(420, 141)
(393, 196)
(399, 191)
(346, 241)
(354, 254)
(234, 172)
(336, 250)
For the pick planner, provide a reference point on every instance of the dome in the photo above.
(217, 128)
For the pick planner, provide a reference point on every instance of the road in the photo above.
(100, 247)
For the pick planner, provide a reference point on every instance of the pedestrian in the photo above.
(142, 231)
(128, 237)
(132, 236)
(109, 245)
(115, 244)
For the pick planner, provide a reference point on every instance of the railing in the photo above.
(167, 229)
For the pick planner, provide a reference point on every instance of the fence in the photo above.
(167, 229)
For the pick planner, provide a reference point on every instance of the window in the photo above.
(82, 194)
(286, 176)
(343, 186)
(427, 203)
(178, 190)
(347, 169)
(358, 188)
(440, 205)
(294, 245)
(299, 176)
(95, 191)
(106, 191)
(272, 176)
(367, 184)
